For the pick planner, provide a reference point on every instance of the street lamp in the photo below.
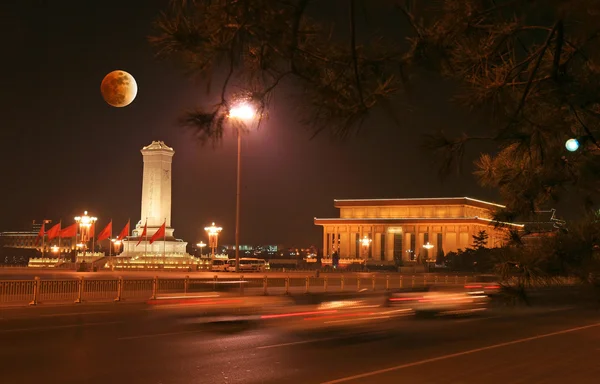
(241, 111)
(85, 223)
(54, 249)
(201, 245)
(116, 245)
(213, 237)
(428, 246)
(366, 242)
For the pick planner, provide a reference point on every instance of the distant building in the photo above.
(409, 229)
(252, 250)
(27, 240)
(540, 225)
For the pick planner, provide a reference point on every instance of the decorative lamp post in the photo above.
(213, 237)
(55, 250)
(428, 246)
(242, 111)
(201, 245)
(366, 242)
(85, 224)
(116, 245)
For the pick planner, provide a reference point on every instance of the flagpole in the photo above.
(43, 237)
(110, 242)
(127, 236)
(165, 243)
(146, 242)
(93, 242)
(59, 250)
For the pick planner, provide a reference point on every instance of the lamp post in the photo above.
(116, 244)
(241, 111)
(213, 237)
(201, 245)
(85, 223)
(428, 247)
(55, 250)
(366, 242)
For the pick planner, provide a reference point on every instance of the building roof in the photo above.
(19, 233)
(412, 220)
(338, 203)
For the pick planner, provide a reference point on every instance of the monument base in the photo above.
(162, 254)
(169, 246)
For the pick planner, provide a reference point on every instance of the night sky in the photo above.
(65, 150)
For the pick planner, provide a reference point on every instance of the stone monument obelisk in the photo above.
(156, 206)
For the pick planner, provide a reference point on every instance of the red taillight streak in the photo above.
(493, 287)
(192, 302)
(402, 299)
(472, 286)
(339, 316)
(295, 314)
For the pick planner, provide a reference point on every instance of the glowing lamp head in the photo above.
(572, 145)
(365, 241)
(242, 111)
(428, 245)
(85, 220)
(213, 230)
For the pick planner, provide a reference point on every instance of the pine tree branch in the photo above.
(557, 52)
(353, 50)
(535, 69)
(584, 126)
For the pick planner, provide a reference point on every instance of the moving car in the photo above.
(440, 300)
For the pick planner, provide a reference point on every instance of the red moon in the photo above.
(118, 88)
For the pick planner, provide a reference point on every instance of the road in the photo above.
(136, 343)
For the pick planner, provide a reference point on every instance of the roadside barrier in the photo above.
(37, 291)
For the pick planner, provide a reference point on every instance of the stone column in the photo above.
(326, 252)
(349, 242)
(372, 250)
(156, 186)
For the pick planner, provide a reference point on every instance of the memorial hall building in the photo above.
(409, 229)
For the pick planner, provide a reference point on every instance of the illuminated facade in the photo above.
(28, 239)
(408, 229)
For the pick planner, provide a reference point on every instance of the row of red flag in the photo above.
(160, 233)
(71, 231)
(106, 233)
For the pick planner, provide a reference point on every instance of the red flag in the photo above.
(41, 233)
(159, 234)
(70, 231)
(144, 232)
(125, 232)
(106, 232)
(53, 232)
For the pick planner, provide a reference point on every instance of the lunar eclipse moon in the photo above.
(118, 88)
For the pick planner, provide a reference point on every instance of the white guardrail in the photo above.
(36, 291)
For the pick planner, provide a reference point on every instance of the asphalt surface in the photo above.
(137, 343)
